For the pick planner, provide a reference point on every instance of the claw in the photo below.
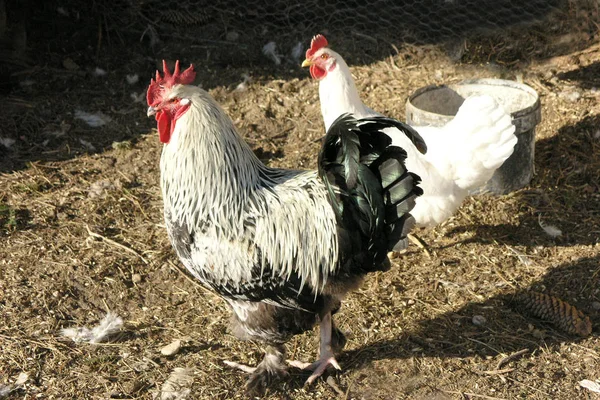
(270, 368)
(321, 368)
(242, 367)
(317, 368)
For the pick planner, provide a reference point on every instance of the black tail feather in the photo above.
(369, 186)
(379, 123)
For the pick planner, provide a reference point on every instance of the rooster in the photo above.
(282, 247)
(461, 156)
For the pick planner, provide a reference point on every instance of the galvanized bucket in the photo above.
(437, 105)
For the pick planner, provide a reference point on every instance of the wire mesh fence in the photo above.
(510, 29)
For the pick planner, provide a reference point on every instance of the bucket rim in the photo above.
(533, 108)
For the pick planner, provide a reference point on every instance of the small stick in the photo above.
(498, 371)
(116, 244)
(364, 36)
(419, 242)
(195, 282)
(331, 382)
(511, 357)
(482, 396)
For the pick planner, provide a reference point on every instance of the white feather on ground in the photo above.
(270, 50)
(550, 230)
(138, 98)
(110, 325)
(93, 120)
(523, 258)
(21, 379)
(5, 390)
(7, 142)
(297, 52)
(244, 84)
(132, 78)
(177, 386)
(590, 385)
(87, 144)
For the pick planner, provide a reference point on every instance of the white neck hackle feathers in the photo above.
(242, 213)
(338, 93)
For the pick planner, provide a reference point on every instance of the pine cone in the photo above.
(558, 312)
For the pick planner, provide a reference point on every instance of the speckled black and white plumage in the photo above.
(282, 247)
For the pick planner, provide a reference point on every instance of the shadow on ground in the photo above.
(506, 328)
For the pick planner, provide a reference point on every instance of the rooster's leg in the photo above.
(270, 368)
(326, 356)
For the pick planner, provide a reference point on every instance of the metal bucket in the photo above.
(437, 105)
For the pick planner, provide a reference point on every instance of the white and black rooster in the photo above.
(282, 247)
(461, 156)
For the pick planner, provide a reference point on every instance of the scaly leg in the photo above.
(326, 356)
(269, 369)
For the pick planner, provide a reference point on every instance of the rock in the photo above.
(478, 320)
(136, 278)
(232, 36)
(21, 379)
(571, 96)
(171, 349)
(69, 64)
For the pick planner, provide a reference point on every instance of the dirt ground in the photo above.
(81, 233)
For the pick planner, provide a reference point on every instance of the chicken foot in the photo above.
(326, 351)
(270, 368)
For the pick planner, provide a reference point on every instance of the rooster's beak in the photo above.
(307, 63)
(151, 111)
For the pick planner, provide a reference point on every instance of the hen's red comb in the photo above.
(317, 42)
(153, 96)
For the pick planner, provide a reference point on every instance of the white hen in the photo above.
(461, 156)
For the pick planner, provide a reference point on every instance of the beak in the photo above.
(151, 111)
(307, 63)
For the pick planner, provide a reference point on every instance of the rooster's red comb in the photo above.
(317, 43)
(157, 85)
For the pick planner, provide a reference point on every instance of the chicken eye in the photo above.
(324, 56)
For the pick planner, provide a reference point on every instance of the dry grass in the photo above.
(77, 229)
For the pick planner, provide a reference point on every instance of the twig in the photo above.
(511, 357)
(419, 242)
(37, 69)
(116, 244)
(498, 371)
(364, 36)
(481, 396)
(195, 282)
(331, 382)
(484, 344)
(548, 396)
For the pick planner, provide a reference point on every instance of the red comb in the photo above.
(157, 85)
(317, 42)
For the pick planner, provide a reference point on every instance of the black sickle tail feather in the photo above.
(400, 191)
(369, 188)
(379, 123)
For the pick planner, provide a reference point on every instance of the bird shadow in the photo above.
(587, 77)
(454, 335)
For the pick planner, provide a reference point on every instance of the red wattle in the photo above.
(164, 126)
(317, 72)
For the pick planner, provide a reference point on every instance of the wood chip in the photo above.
(171, 349)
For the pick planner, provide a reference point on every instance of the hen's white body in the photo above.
(461, 156)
